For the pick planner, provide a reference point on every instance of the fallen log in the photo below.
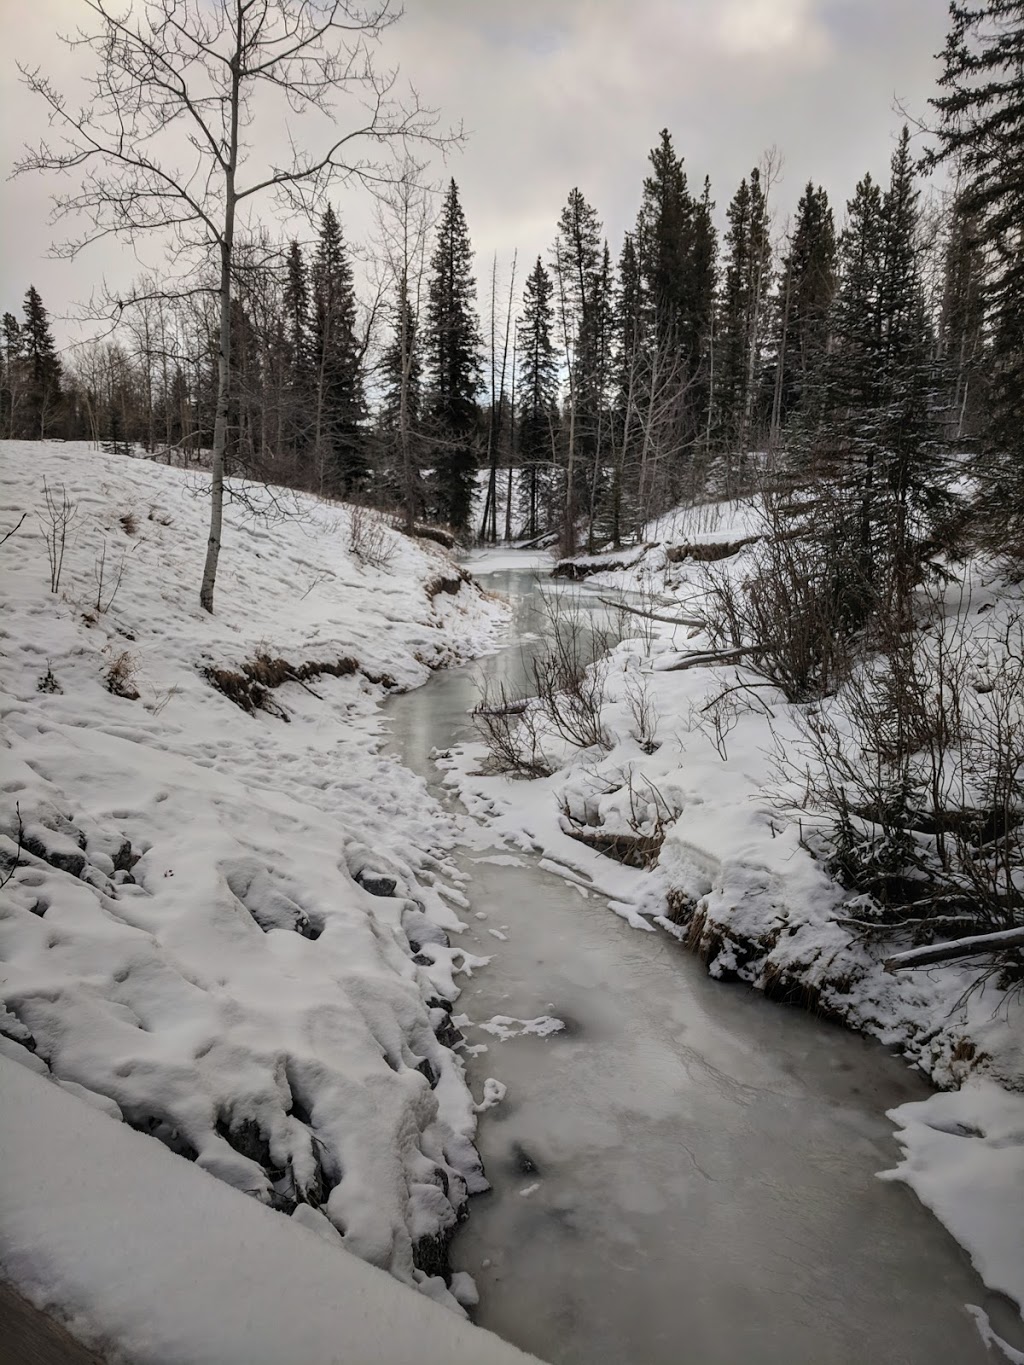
(720, 656)
(972, 946)
(653, 616)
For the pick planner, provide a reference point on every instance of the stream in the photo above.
(686, 1173)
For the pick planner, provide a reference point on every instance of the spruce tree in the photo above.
(298, 359)
(665, 232)
(399, 421)
(340, 404)
(911, 455)
(962, 330)
(538, 398)
(42, 369)
(742, 313)
(452, 354)
(804, 306)
(982, 131)
(13, 379)
(580, 300)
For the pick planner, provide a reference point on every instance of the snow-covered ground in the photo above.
(746, 892)
(227, 926)
(151, 1262)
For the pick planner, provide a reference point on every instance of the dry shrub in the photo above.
(371, 539)
(918, 766)
(569, 685)
(119, 678)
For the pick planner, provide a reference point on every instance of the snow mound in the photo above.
(211, 914)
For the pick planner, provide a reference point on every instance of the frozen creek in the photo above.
(687, 1173)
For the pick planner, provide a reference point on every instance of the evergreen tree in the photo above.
(912, 460)
(804, 306)
(11, 359)
(400, 415)
(453, 364)
(298, 360)
(982, 130)
(880, 424)
(340, 404)
(741, 313)
(961, 350)
(42, 369)
(580, 304)
(665, 232)
(538, 397)
(703, 267)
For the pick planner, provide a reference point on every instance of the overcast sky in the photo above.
(557, 93)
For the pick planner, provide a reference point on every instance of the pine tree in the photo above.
(452, 355)
(538, 397)
(42, 369)
(982, 131)
(340, 404)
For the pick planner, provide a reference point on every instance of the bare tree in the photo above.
(404, 220)
(166, 143)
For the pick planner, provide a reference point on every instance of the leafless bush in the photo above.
(650, 813)
(790, 612)
(119, 678)
(918, 767)
(570, 674)
(108, 580)
(720, 714)
(569, 684)
(510, 726)
(643, 711)
(59, 514)
(129, 523)
(370, 538)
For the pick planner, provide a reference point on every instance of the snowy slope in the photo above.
(196, 1273)
(188, 940)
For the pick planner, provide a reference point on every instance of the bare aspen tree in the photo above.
(404, 221)
(167, 142)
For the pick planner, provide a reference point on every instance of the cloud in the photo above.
(574, 93)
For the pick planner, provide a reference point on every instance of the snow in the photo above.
(212, 926)
(150, 1262)
(964, 1159)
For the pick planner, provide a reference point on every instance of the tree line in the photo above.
(870, 353)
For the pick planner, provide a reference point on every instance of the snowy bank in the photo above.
(222, 915)
(149, 1261)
